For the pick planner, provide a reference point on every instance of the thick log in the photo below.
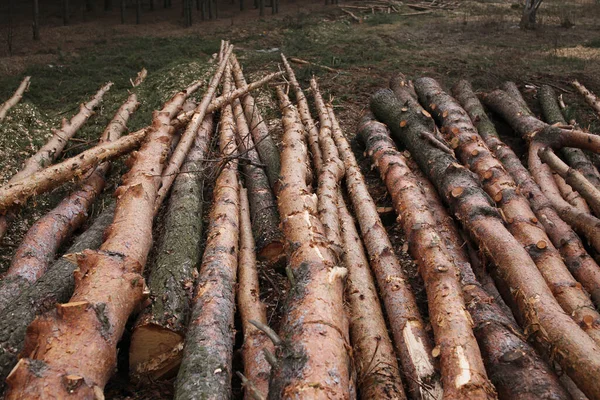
(265, 145)
(75, 346)
(157, 338)
(535, 305)
(15, 98)
(263, 204)
(56, 286)
(452, 326)
(411, 341)
(313, 362)
(571, 196)
(256, 368)
(589, 97)
(513, 90)
(578, 261)
(206, 366)
(500, 186)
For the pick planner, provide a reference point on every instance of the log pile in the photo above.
(353, 321)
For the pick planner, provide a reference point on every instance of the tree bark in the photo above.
(520, 219)
(56, 286)
(265, 145)
(579, 262)
(35, 24)
(536, 305)
(76, 345)
(138, 12)
(571, 196)
(206, 367)
(452, 326)
(589, 97)
(10, 103)
(529, 16)
(263, 204)
(107, 5)
(65, 12)
(256, 368)
(123, 8)
(313, 362)
(261, 8)
(408, 330)
(157, 338)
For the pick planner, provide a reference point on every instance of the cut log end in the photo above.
(273, 253)
(155, 353)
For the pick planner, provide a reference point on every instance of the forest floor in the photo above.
(478, 41)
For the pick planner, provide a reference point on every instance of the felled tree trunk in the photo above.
(516, 271)
(55, 286)
(452, 326)
(520, 219)
(314, 361)
(265, 145)
(263, 205)
(157, 338)
(589, 97)
(411, 341)
(76, 344)
(10, 103)
(256, 368)
(578, 261)
(206, 367)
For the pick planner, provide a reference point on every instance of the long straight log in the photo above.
(206, 366)
(55, 286)
(410, 339)
(263, 204)
(589, 97)
(265, 145)
(582, 266)
(535, 303)
(313, 362)
(500, 186)
(15, 98)
(157, 337)
(462, 369)
(40, 244)
(75, 346)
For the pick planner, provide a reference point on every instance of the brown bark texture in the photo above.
(72, 351)
(462, 369)
(542, 316)
(313, 361)
(206, 366)
(518, 216)
(589, 97)
(571, 196)
(157, 337)
(256, 368)
(265, 144)
(578, 261)
(15, 98)
(410, 339)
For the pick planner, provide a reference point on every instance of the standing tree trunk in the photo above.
(36, 21)
(123, 8)
(261, 7)
(65, 12)
(107, 5)
(528, 18)
(138, 12)
(14, 100)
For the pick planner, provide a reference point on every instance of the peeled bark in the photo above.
(55, 286)
(540, 135)
(256, 368)
(582, 266)
(313, 362)
(73, 350)
(10, 103)
(545, 321)
(206, 367)
(589, 97)
(462, 369)
(44, 238)
(265, 145)
(263, 204)
(571, 196)
(157, 338)
(520, 219)
(411, 341)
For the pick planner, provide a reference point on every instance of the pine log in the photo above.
(56, 286)
(10, 103)
(589, 97)
(513, 90)
(256, 368)
(314, 361)
(500, 186)
(578, 261)
(411, 341)
(206, 366)
(536, 307)
(265, 145)
(157, 337)
(452, 326)
(263, 204)
(73, 350)
(571, 196)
